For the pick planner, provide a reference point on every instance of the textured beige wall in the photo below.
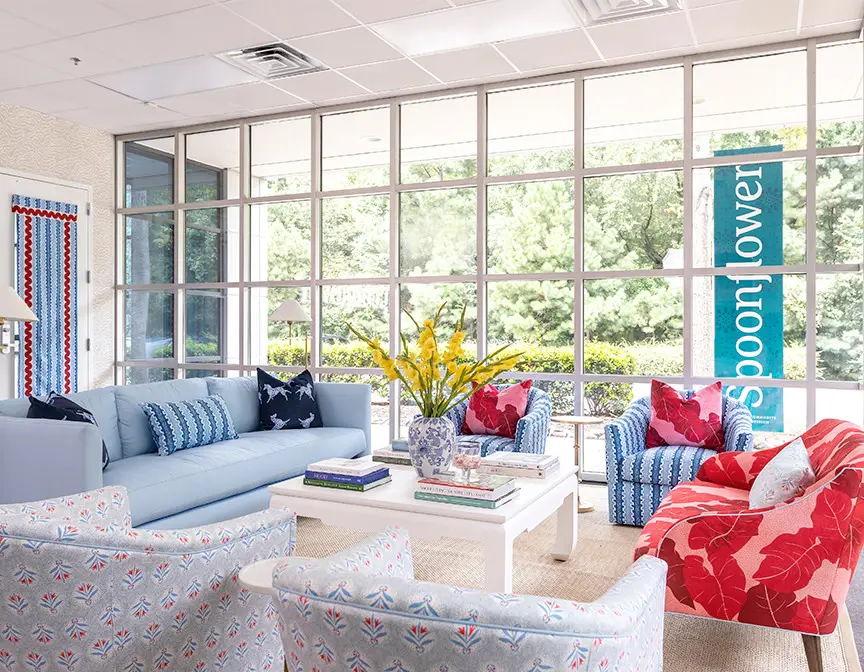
(49, 147)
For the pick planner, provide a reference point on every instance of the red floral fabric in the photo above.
(494, 411)
(787, 566)
(675, 421)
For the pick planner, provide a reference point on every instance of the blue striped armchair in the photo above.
(639, 478)
(531, 430)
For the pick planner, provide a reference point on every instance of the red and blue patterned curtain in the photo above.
(47, 265)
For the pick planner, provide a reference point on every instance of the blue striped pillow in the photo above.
(185, 424)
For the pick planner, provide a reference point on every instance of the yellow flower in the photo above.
(454, 351)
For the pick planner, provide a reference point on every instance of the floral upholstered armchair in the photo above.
(787, 566)
(531, 430)
(363, 610)
(83, 590)
(640, 478)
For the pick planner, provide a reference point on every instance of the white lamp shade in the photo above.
(13, 308)
(289, 311)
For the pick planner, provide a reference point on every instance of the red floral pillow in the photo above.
(697, 421)
(491, 411)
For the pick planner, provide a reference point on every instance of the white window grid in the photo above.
(810, 269)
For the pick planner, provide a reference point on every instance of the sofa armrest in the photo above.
(43, 459)
(735, 469)
(738, 430)
(532, 429)
(625, 436)
(346, 405)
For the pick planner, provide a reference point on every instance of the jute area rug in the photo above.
(603, 554)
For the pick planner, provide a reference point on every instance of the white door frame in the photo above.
(85, 274)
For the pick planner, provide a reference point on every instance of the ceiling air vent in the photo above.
(272, 61)
(603, 11)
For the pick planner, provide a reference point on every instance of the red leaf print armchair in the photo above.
(788, 566)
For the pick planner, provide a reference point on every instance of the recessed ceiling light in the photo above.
(602, 11)
(699, 100)
(371, 139)
(471, 25)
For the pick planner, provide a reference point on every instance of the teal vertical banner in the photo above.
(748, 309)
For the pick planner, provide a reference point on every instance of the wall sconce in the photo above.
(12, 309)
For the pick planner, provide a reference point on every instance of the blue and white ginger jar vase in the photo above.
(431, 444)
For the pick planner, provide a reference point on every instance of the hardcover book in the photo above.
(466, 501)
(346, 486)
(344, 478)
(339, 465)
(389, 456)
(519, 460)
(487, 486)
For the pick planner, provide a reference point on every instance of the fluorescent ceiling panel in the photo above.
(471, 25)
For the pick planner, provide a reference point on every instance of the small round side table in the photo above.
(258, 577)
(578, 421)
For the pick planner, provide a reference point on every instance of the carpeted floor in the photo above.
(603, 553)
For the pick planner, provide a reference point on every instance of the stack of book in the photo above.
(523, 465)
(488, 491)
(344, 474)
(391, 456)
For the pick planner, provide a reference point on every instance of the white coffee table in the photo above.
(394, 504)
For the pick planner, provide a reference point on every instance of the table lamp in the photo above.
(291, 311)
(12, 309)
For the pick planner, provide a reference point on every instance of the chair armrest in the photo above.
(735, 469)
(346, 405)
(44, 459)
(625, 436)
(102, 507)
(738, 429)
(532, 429)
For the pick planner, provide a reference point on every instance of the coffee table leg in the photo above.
(499, 565)
(565, 540)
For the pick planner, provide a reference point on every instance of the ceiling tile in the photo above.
(71, 94)
(743, 18)
(550, 51)
(831, 29)
(641, 36)
(133, 117)
(17, 72)
(390, 76)
(147, 9)
(820, 13)
(176, 36)
(319, 86)
(64, 17)
(175, 79)
(235, 99)
(473, 63)
(292, 19)
(58, 54)
(371, 11)
(693, 4)
(16, 32)
(352, 46)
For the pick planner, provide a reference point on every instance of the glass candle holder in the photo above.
(467, 459)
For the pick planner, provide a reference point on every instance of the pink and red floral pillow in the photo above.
(675, 421)
(493, 411)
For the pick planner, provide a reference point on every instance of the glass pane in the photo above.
(634, 221)
(212, 319)
(204, 373)
(355, 149)
(213, 245)
(839, 327)
(439, 139)
(277, 342)
(634, 326)
(423, 301)
(531, 129)
(380, 403)
(839, 210)
(605, 401)
(355, 237)
(281, 157)
(838, 95)
(750, 325)
(280, 245)
(537, 318)
(149, 170)
(150, 249)
(750, 215)
(777, 419)
(841, 404)
(438, 232)
(749, 103)
(367, 309)
(149, 325)
(529, 227)
(626, 121)
(213, 165)
(137, 375)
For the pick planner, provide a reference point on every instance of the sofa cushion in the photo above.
(241, 398)
(287, 404)
(178, 425)
(134, 427)
(100, 402)
(162, 486)
(786, 476)
(667, 465)
(695, 420)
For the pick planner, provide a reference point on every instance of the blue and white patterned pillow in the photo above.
(176, 425)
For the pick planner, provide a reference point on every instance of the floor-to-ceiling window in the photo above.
(689, 220)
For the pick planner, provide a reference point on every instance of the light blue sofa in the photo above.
(43, 459)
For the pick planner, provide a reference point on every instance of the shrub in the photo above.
(605, 358)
